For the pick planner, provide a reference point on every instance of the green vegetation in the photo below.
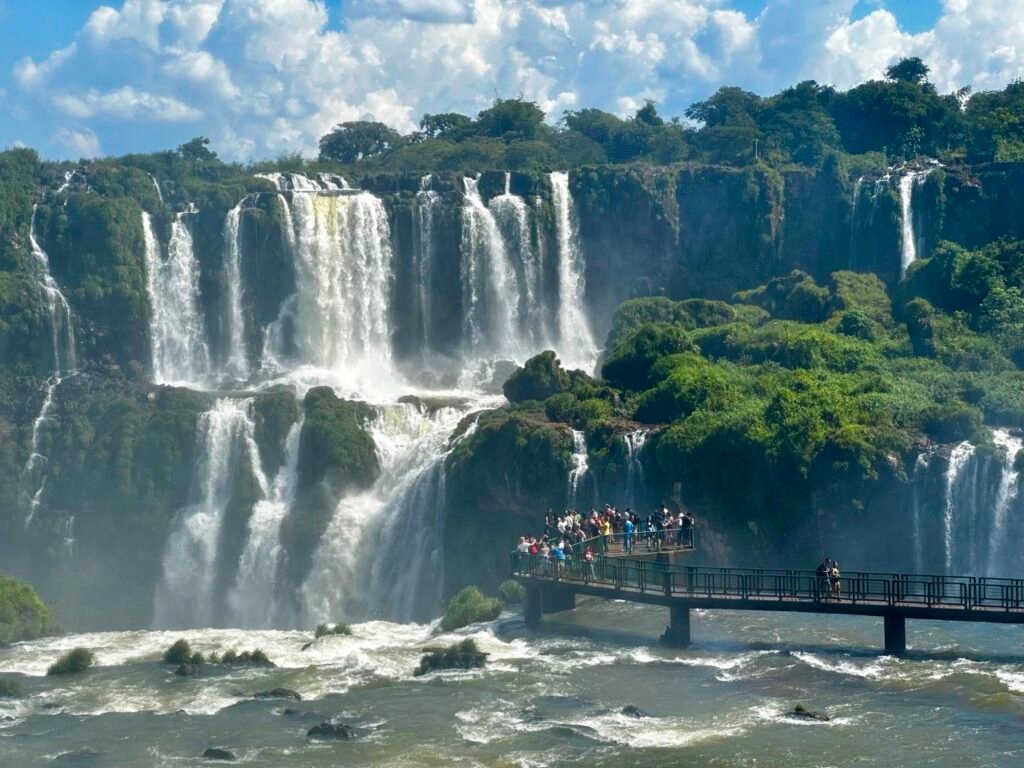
(23, 616)
(462, 655)
(11, 689)
(71, 663)
(470, 606)
(255, 658)
(511, 592)
(181, 653)
(323, 630)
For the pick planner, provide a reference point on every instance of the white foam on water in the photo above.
(870, 671)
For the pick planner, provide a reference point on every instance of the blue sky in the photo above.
(261, 77)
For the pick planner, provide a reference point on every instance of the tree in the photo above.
(355, 141)
(197, 151)
(909, 70)
(648, 114)
(511, 119)
(447, 125)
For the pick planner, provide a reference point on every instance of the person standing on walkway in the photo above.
(627, 535)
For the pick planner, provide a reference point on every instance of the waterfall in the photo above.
(580, 467)
(490, 295)
(62, 328)
(908, 183)
(423, 259)
(180, 355)
(343, 265)
(251, 600)
(920, 472)
(961, 496)
(156, 185)
(276, 335)
(185, 596)
(634, 467)
(512, 215)
(380, 555)
(62, 337)
(296, 182)
(1000, 544)
(236, 363)
(575, 340)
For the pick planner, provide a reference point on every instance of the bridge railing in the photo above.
(646, 576)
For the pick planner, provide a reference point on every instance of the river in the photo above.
(549, 697)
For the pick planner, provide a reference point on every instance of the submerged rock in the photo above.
(278, 693)
(464, 655)
(800, 712)
(217, 753)
(329, 730)
(633, 711)
(77, 756)
(188, 670)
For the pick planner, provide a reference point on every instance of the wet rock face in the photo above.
(331, 731)
(217, 753)
(278, 693)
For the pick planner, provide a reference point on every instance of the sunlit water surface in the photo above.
(547, 698)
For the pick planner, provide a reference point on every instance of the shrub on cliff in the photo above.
(71, 663)
(511, 592)
(540, 378)
(334, 442)
(470, 606)
(23, 616)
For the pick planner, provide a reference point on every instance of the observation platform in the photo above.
(653, 578)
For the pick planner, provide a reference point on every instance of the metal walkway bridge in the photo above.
(646, 576)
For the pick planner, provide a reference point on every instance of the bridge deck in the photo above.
(868, 594)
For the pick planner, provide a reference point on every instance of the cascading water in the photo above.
(177, 338)
(277, 335)
(575, 341)
(634, 467)
(159, 192)
(423, 259)
(908, 183)
(1001, 542)
(251, 601)
(236, 363)
(512, 215)
(920, 472)
(343, 263)
(490, 294)
(185, 596)
(580, 469)
(62, 335)
(375, 557)
(961, 496)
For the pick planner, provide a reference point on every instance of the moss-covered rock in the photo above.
(470, 606)
(540, 378)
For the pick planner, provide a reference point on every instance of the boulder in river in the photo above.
(219, 753)
(631, 710)
(800, 712)
(278, 693)
(188, 670)
(329, 730)
(464, 655)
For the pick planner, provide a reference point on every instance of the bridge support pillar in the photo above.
(895, 634)
(558, 599)
(533, 606)
(677, 634)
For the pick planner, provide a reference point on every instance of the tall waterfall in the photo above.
(185, 596)
(961, 495)
(396, 523)
(423, 260)
(921, 466)
(512, 215)
(236, 363)
(177, 337)
(634, 467)
(62, 335)
(908, 183)
(1004, 541)
(490, 294)
(343, 266)
(575, 340)
(251, 601)
(580, 469)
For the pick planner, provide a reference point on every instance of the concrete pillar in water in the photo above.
(895, 634)
(677, 634)
(533, 606)
(558, 599)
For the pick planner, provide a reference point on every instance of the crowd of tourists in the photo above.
(585, 535)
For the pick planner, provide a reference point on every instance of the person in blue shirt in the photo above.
(559, 556)
(627, 530)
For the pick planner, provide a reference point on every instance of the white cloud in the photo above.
(76, 144)
(262, 76)
(32, 75)
(126, 104)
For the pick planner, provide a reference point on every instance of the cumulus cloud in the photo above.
(77, 143)
(126, 104)
(262, 76)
